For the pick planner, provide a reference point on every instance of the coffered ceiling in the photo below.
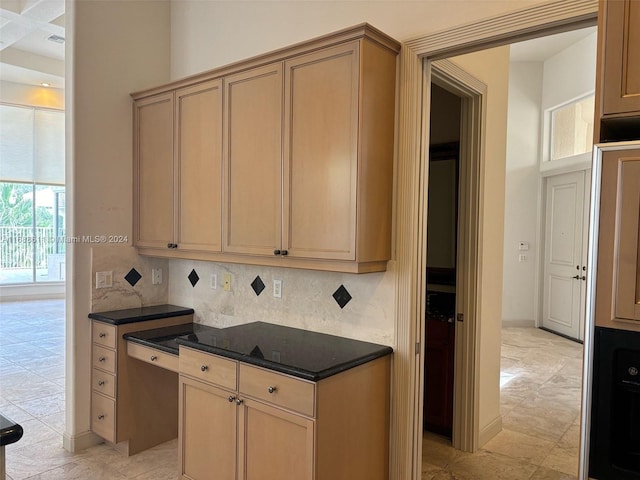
(32, 41)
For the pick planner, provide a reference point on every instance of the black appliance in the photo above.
(614, 452)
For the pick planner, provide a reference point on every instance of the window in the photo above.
(32, 195)
(572, 129)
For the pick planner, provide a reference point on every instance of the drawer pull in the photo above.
(272, 389)
(231, 398)
(239, 401)
(204, 368)
(102, 334)
(102, 359)
(101, 383)
(100, 417)
(154, 358)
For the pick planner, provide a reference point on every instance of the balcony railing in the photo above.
(26, 247)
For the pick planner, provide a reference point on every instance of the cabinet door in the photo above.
(199, 167)
(274, 444)
(320, 168)
(621, 90)
(153, 171)
(618, 273)
(253, 161)
(208, 426)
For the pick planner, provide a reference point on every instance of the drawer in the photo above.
(153, 356)
(278, 389)
(103, 382)
(104, 334)
(103, 416)
(208, 367)
(104, 359)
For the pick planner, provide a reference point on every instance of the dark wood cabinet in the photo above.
(439, 364)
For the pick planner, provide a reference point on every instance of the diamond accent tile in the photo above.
(193, 278)
(133, 277)
(342, 296)
(257, 285)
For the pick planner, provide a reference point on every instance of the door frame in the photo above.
(472, 94)
(522, 24)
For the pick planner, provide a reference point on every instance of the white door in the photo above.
(566, 225)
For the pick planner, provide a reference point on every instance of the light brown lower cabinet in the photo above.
(129, 396)
(617, 302)
(271, 426)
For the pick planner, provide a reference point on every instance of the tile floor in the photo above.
(540, 406)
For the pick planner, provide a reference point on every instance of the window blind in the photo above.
(31, 145)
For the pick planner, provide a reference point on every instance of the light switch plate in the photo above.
(227, 282)
(213, 283)
(104, 279)
(277, 289)
(156, 276)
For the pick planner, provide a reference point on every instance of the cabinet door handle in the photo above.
(284, 253)
(239, 401)
(100, 417)
(102, 334)
(272, 389)
(577, 277)
(204, 368)
(154, 358)
(101, 383)
(277, 252)
(231, 398)
(102, 359)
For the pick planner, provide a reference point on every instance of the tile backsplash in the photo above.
(128, 268)
(348, 305)
(307, 298)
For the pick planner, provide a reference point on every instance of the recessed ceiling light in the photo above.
(45, 84)
(56, 38)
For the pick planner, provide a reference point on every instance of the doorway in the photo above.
(475, 300)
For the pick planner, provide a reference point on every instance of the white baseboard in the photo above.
(518, 323)
(490, 431)
(78, 443)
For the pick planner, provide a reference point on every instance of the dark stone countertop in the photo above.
(10, 431)
(140, 314)
(300, 353)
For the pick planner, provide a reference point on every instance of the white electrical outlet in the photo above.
(277, 289)
(104, 279)
(156, 276)
(213, 282)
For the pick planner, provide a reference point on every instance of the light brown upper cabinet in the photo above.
(618, 272)
(253, 160)
(307, 162)
(619, 70)
(153, 171)
(178, 169)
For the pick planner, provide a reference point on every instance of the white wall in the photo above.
(491, 67)
(21, 94)
(570, 74)
(208, 34)
(113, 48)
(533, 88)
(521, 193)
